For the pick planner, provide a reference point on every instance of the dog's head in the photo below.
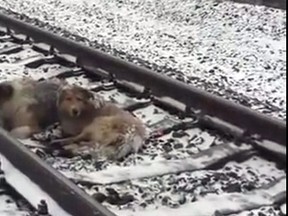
(6, 92)
(74, 100)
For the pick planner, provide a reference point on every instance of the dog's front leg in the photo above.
(70, 140)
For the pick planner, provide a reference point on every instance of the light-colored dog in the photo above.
(90, 121)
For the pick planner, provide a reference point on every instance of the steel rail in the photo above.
(160, 85)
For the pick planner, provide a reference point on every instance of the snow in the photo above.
(272, 146)
(18, 70)
(28, 189)
(155, 168)
(218, 46)
(266, 210)
(236, 131)
(186, 187)
(284, 209)
(9, 208)
(228, 203)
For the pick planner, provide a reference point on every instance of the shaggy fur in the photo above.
(27, 106)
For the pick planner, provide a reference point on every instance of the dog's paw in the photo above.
(60, 142)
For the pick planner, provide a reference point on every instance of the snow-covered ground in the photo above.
(128, 187)
(237, 51)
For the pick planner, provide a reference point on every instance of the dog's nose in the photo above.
(75, 112)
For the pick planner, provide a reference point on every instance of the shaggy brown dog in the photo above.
(102, 126)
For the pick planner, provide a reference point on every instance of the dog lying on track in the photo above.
(27, 106)
(90, 121)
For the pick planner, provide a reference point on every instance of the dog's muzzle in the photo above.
(75, 112)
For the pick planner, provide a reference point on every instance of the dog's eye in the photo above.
(79, 99)
(68, 99)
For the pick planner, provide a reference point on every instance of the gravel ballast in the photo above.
(214, 46)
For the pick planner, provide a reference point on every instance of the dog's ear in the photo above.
(98, 101)
(64, 87)
(61, 81)
(6, 90)
(87, 94)
(61, 92)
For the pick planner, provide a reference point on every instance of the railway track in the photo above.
(205, 156)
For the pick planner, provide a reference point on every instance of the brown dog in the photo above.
(103, 126)
(27, 106)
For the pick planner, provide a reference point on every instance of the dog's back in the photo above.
(30, 107)
(15, 101)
